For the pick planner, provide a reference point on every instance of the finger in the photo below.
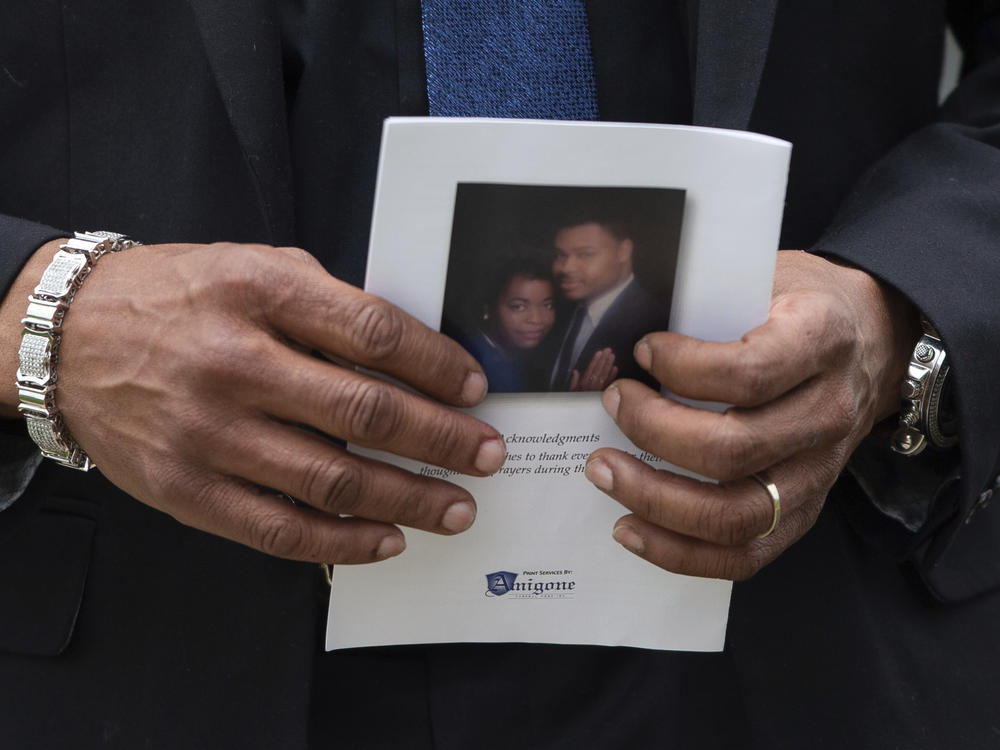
(246, 514)
(324, 313)
(327, 477)
(802, 337)
(689, 555)
(371, 412)
(695, 557)
(604, 360)
(729, 514)
(595, 363)
(601, 379)
(609, 373)
(599, 371)
(738, 442)
(574, 380)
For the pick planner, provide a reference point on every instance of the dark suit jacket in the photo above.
(121, 628)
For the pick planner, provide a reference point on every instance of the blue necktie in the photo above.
(509, 58)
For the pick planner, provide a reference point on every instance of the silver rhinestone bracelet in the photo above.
(38, 355)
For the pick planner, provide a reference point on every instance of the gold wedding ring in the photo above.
(765, 481)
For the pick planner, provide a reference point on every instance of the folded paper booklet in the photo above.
(548, 249)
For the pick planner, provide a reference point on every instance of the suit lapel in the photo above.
(242, 42)
(731, 41)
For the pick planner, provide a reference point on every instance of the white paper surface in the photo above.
(539, 519)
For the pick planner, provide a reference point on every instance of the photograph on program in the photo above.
(550, 287)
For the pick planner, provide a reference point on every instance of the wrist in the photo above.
(903, 330)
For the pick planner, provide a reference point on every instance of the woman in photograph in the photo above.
(512, 345)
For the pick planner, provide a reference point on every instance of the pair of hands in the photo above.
(186, 373)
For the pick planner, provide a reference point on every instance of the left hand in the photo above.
(806, 387)
(598, 375)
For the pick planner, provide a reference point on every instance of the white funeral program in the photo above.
(548, 249)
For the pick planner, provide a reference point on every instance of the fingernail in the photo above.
(643, 354)
(611, 398)
(491, 456)
(390, 546)
(599, 473)
(628, 539)
(474, 388)
(459, 517)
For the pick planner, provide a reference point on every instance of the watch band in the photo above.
(924, 417)
(38, 354)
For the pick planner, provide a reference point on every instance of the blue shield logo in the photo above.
(499, 583)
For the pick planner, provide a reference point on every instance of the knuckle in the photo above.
(824, 329)
(445, 440)
(730, 523)
(643, 504)
(637, 420)
(843, 412)
(685, 563)
(238, 270)
(334, 486)
(649, 504)
(730, 449)
(297, 253)
(418, 507)
(372, 412)
(347, 550)
(278, 535)
(741, 565)
(200, 435)
(183, 492)
(255, 280)
(752, 378)
(225, 353)
(379, 329)
(838, 333)
(212, 347)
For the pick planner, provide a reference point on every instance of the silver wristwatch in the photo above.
(38, 355)
(927, 416)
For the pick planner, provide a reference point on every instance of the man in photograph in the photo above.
(593, 268)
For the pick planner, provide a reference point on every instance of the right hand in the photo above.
(185, 374)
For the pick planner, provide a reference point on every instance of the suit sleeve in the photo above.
(19, 458)
(926, 219)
